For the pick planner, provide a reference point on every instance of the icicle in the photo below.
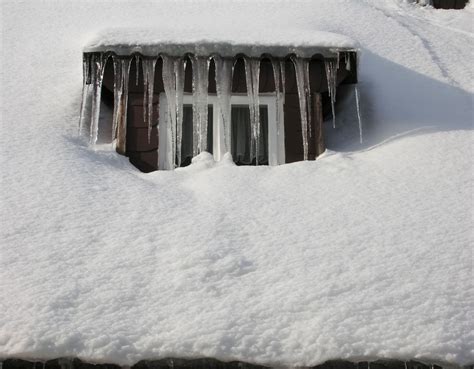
(121, 69)
(150, 92)
(148, 66)
(331, 76)
(145, 100)
(65, 363)
(118, 90)
(302, 81)
(137, 71)
(98, 63)
(86, 89)
(121, 117)
(308, 95)
(252, 78)
(348, 61)
(200, 109)
(283, 94)
(356, 90)
(224, 72)
(179, 71)
(169, 83)
(283, 79)
(277, 74)
(87, 67)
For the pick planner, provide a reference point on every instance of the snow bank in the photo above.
(358, 255)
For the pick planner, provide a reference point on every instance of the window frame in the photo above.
(276, 140)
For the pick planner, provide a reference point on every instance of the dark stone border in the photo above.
(209, 363)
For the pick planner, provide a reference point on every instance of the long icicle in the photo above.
(137, 70)
(252, 78)
(308, 96)
(255, 86)
(356, 90)
(118, 91)
(224, 72)
(200, 109)
(98, 76)
(151, 88)
(179, 71)
(169, 83)
(283, 79)
(283, 96)
(145, 96)
(148, 84)
(122, 116)
(276, 78)
(86, 84)
(331, 76)
(196, 127)
(301, 69)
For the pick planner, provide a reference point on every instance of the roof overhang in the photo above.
(154, 42)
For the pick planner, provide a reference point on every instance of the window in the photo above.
(271, 143)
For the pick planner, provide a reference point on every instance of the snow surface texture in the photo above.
(209, 40)
(360, 255)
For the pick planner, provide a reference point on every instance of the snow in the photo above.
(361, 254)
(194, 36)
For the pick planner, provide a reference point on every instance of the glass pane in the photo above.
(187, 141)
(210, 133)
(263, 142)
(241, 136)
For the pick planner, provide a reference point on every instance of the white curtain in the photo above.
(241, 136)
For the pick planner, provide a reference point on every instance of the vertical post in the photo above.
(318, 123)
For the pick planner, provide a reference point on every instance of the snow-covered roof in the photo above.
(176, 42)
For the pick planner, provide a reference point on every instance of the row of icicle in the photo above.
(173, 81)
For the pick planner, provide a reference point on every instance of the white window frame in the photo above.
(276, 138)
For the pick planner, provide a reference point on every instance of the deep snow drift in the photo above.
(362, 254)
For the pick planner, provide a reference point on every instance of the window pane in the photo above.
(187, 141)
(241, 135)
(210, 132)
